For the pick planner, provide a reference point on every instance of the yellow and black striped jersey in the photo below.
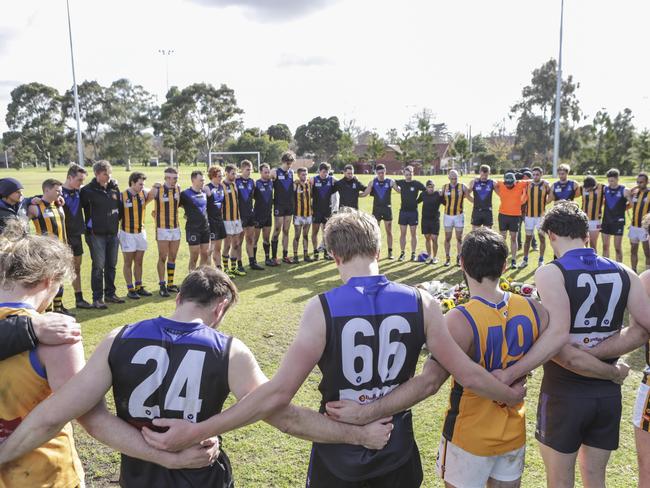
(230, 206)
(640, 203)
(536, 199)
(592, 202)
(454, 197)
(167, 207)
(50, 221)
(302, 196)
(132, 211)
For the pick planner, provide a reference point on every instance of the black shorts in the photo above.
(76, 245)
(283, 210)
(383, 213)
(408, 217)
(565, 423)
(509, 223)
(194, 237)
(248, 221)
(262, 221)
(612, 228)
(483, 217)
(217, 230)
(408, 475)
(431, 227)
(321, 217)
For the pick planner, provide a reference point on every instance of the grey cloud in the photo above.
(6, 35)
(295, 61)
(272, 10)
(9, 83)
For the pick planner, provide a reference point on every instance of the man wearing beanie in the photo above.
(11, 196)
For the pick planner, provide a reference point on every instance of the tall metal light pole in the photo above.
(80, 147)
(558, 96)
(166, 53)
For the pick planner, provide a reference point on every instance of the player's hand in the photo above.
(196, 456)
(60, 202)
(213, 447)
(157, 186)
(519, 393)
(346, 411)
(180, 435)
(377, 434)
(503, 376)
(623, 369)
(55, 328)
(35, 201)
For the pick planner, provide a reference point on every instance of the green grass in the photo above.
(271, 303)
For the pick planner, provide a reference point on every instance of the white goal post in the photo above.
(227, 153)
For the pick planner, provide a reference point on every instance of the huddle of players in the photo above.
(366, 337)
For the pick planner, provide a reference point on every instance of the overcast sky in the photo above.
(374, 61)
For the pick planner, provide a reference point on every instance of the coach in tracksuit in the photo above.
(100, 200)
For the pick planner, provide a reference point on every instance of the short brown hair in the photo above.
(564, 167)
(351, 233)
(380, 167)
(484, 253)
(323, 166)
(195, 174)
(348, 167)
(136, 176)
(102, 166)
(50, 183)
(264, 166)
(171, 170)
(74, 169)
(288, 157)
(246, 164)
(205, 285)
(302, 169)
(213, 170)
(484, 168)
(28, 259)
(229, 168)
(613, 173)
(566, 220)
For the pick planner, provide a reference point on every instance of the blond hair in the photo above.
(351, 233)
(564, 167)
(30, 259)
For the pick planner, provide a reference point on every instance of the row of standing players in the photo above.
(366, 337)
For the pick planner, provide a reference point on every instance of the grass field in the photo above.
(266, 320)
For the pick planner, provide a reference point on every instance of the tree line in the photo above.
(123, 122)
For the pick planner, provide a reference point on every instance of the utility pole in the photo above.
(558, 95)
(80, 147)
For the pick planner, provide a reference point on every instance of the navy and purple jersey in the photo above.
(263, 194)
(321, 195)
(410, 191)
(482, 194)
(215, 203)
(381, 192)
(283, 188)
(375, 332)
(195, 204)
(597, 288)
(167, 369)
(74, 220)
(567, 190)
(245, 193)
(615, 204)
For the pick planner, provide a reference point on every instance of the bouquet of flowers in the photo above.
(450, 296)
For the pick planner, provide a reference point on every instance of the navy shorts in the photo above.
(248, 221)
(76, 245)
(217, 230)
(613, 228)
(431, 227)
(408, 217)
(194, 237)
(509, 223)
(283, 210)
(383, 213)
(565, 423)
(321, 217)
(482, 217)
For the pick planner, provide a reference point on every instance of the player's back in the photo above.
(375, 333)
(168, 369)
(598, 289)
(503, 333)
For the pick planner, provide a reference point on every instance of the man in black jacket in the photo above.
(11, 195)
(100, 200)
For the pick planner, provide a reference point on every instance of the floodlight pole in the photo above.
(80, 150)
(558, 96)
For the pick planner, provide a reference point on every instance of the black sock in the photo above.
(267, 249)
(285, 253)
(274, 248)
(254, 253)
(251, 261)
(78, 296)
(390, 250)
(239, 263)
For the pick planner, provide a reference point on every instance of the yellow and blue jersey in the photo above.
(503, 333)
(24, 385)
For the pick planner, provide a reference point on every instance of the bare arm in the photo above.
(550, 286)
(584, 364)
(637, 301)
(153, 193)
(298, 362)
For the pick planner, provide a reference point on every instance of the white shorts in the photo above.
(133, 242)
(169, 234)
(233, 227)
(450, 221)
(642, 407)
(594, 225)
(463, 469)
(532, 223)
(638, 234)
(301, 220)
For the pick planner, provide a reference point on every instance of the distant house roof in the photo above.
(362, 149)
(303, 163)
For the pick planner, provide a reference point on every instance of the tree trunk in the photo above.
(128, 164)
(48, 164)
